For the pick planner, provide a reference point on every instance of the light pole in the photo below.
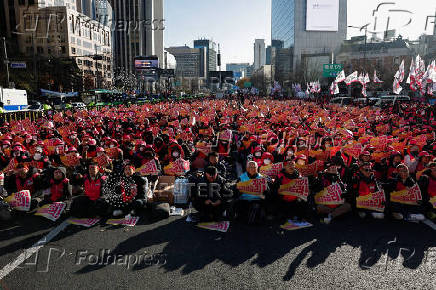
(365, 27)
(6, 60)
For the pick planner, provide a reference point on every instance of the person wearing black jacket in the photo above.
(211, 196)
(126, 192)
(288, 205)
(362, 184)
(325, 179)
(213, 160)
(403, 181)
(59, 187)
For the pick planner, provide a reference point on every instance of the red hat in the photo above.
(6, 142)
(301, 156)
(92, 142)
(100, 149)
(395, 153)
(58, 142)
(367, 153)
(424, 154)
(72, 149)
(40, 143)
(267, 155)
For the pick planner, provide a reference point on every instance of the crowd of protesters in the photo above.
(94, 159)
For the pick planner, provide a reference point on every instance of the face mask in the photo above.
(267, 161)
(176, 154)
(37, 156)
(38, 149)
(99, 153)
(257, 154)
(16, 154)
(111, 146)
(5, 146)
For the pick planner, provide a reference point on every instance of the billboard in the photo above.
(322, 15)
(146, 63)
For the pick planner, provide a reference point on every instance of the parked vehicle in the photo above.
(78, 105)
(342, 101)
(13, 100)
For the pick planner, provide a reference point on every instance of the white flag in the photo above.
(340, 77)
(351, 78)
(396, 88)
(376, 79)
(367, 80)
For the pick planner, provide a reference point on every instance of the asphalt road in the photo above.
(350, 253)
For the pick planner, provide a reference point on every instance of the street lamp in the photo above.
(365, 27)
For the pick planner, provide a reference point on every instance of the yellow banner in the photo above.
(409, 196)
(296, 187)
(373, 201)
(253, 186)
(330, 195)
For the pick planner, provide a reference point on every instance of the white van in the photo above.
(390, 100)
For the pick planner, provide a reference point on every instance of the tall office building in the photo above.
(259, 53)
(135, 35)
(190, 62)
(210, 47)
(308, 36)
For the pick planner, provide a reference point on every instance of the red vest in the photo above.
(285, 180)
(365, 188)
(92, 188)
(57, 190)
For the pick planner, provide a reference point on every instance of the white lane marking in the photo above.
(32, 250)
(429, 223)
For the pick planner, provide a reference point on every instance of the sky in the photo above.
(235, 24)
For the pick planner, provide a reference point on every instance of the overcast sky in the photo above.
(236, 23)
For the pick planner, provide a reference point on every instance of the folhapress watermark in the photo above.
(47, 257)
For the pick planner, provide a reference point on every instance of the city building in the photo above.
(190, 62)
(62, 32)
(268, 55)
(384, 57)
(302, 38)
(259, 53)
(211, 53)
(103, 12)
(239, 69)
(134, 33)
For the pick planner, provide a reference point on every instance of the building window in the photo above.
(63, 50)
(73, 50)
(40, 50)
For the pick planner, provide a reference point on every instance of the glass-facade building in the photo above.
(282, 22)
(282, 36)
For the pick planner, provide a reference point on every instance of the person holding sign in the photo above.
(90, 204)
(291, 193)
(427, 184)
(253, 189)
(332, 201)
(23, 179)
(405, 198)
(365, 184)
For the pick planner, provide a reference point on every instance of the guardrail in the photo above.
(34, 115)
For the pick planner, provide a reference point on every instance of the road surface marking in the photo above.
(32, 250)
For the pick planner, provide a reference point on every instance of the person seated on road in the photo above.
(289, 206)
(365, 183)
(90, 204)
(325, 179)
(252, 205)
(427, 184)
(213, 160)
(211, 197)
(60, 188)
(23, 179)
(403, 181)
(126, 192)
